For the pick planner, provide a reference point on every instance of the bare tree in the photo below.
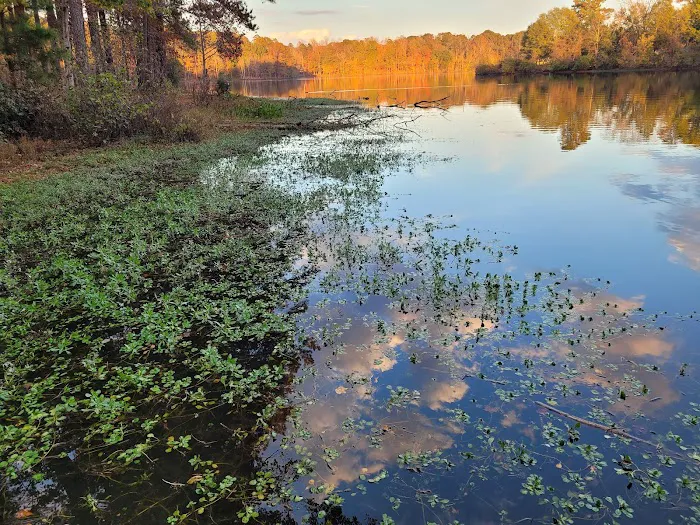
(217, 24)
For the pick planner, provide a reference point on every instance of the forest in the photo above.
(124, 50)
(263, 57)
(586, 36)
(96, 72)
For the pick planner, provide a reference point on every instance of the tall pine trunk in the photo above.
(63, 15)
(54, 25)
(203, 49)
(77, 33)
(124, 40)
(35, 9)
(7, 47)
(106, 40)
(19, 10)
(158, 47)
(95, 36)
(37, 24)
(143, 66)
(151, 57)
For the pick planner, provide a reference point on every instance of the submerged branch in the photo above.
(427, 104)
(608, 429)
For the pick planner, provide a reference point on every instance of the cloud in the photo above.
(305, 35)
(644, 345)
(444, 393)
(316, 12)
(687, 252)
(684, 236)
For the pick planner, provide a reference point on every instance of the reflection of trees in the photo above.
(631, 107)
(560, 104)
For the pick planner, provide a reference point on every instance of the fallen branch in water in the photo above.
(608, 429)
(427, 104)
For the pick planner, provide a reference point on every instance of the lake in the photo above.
(475, 304)
(525, 283)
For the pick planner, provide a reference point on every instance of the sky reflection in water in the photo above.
(599, 176)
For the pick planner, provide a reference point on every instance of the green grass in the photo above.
(259, 109)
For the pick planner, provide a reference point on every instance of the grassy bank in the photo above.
(145, 328)
(37, 153)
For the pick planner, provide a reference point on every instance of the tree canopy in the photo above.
(69, 39)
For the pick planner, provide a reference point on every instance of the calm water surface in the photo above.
(421, 404)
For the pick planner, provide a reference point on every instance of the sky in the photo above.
(295, 20)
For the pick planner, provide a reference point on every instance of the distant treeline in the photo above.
(660, 34)
(585, 36)
(264, 57)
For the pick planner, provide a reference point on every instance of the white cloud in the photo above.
(305, 35)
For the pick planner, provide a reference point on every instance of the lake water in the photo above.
(418, 400)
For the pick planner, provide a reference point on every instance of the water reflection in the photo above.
(630, 107)
(679, 190)
(414, 385)
(428, 349)
(425, 345)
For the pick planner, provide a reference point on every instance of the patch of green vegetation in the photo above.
(259, 109)
(145, 329)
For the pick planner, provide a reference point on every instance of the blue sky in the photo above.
(292, 20)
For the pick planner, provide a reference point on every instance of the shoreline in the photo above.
(586, 72)
(35, 158)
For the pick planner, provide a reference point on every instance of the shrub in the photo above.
(488, 70)
(584, 63)
(104, 108)
(509, 66)
(34, 111)
(101, 109)
(562, 66)
(174, 71)
(223, 86)
(526, 67)
(15, 113)
(166, 119)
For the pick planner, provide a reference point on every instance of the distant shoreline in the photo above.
(488, 74)
(495, 74)
(468, 72)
